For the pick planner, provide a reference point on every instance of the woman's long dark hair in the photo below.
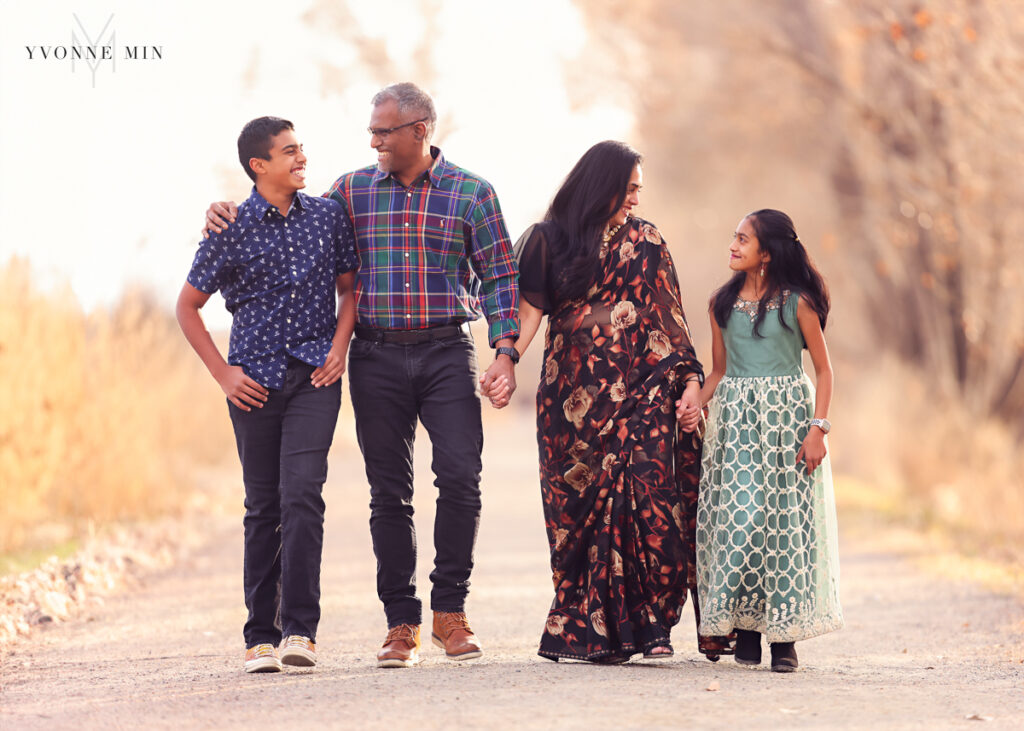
(790, 268)
(580, 210)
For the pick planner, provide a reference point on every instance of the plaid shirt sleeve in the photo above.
(344, 241)
(494, 264)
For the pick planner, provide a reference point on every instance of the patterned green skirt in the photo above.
(767, 555)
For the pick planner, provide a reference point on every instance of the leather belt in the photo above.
(410, 337)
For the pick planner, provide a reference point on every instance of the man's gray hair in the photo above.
(413, 103)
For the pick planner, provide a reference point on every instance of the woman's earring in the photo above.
(762, 271)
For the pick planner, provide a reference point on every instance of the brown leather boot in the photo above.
(452, 633)
(401, 648)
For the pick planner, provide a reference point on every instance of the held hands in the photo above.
(218, 216)
(498, 382)
(332, 368)
(500, 393)
(240, 389)
(813, 450)
(688, 411)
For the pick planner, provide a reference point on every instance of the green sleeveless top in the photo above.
(777, 353)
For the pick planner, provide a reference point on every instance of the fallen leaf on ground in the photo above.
(978, 717)
(713, 685)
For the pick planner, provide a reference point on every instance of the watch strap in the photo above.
(510, 352)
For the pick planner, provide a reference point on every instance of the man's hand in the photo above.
(332, 368)
(500, 393)
(218, 216)
(240, 389)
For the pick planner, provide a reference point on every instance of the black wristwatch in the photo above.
(510, 352)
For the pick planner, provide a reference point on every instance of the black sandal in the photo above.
(784, 657)
(610, 660)
(649, 653)
(748, 647)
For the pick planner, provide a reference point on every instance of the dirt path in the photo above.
(918, 650)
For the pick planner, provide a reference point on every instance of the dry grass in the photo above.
(933, 460)
(105, 416)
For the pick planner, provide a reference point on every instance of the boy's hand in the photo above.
(240, 389)
(218, 216)
(332, 368)
(813, 450)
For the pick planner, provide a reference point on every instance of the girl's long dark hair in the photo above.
(594, 188)
(790, 268)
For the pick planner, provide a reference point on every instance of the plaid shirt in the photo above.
(432, 253)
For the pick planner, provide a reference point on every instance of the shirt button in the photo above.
(286, 224)
(293, 295)
(407, 255)
(408, 195)
(406, 223)
(408, 317)
(406, 284)
(291, 248)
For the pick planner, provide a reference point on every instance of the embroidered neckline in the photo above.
(749, 307)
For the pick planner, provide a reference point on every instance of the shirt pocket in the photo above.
(442, 238)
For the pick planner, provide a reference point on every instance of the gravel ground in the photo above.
(919, 650)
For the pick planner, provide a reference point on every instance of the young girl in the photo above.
(767, 560)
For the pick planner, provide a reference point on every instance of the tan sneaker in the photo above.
(452, 633)
(401, 648)
(262, 659)
(298, 650)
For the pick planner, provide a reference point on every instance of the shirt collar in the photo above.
(258, 205)
(435, 172)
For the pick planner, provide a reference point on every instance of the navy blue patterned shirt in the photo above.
(277, 275)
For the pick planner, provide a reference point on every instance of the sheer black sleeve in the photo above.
(531, 251)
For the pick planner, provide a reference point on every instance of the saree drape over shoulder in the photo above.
(619, 481)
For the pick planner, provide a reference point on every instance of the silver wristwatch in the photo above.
(824, 424)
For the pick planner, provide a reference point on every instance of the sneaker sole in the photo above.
(299, 658)
(471, 655)
(742, 661)
(263, 665)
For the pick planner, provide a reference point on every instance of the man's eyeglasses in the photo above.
(383, 132)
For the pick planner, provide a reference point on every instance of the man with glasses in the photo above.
(434, 252)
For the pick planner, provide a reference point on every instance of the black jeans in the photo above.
(392, 386)
(283, 448)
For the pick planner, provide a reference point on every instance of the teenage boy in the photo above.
(278, 271)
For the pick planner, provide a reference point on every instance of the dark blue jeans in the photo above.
(283, 448)
(392, 387)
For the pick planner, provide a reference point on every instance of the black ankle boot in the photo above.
(784, 657)
(748, 647)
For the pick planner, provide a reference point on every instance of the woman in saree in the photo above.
(619, 474)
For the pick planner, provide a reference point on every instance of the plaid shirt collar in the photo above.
(435, 172)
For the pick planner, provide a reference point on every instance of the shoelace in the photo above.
(404, 632)
(297, 641)
(451, 621)
(263, 650)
